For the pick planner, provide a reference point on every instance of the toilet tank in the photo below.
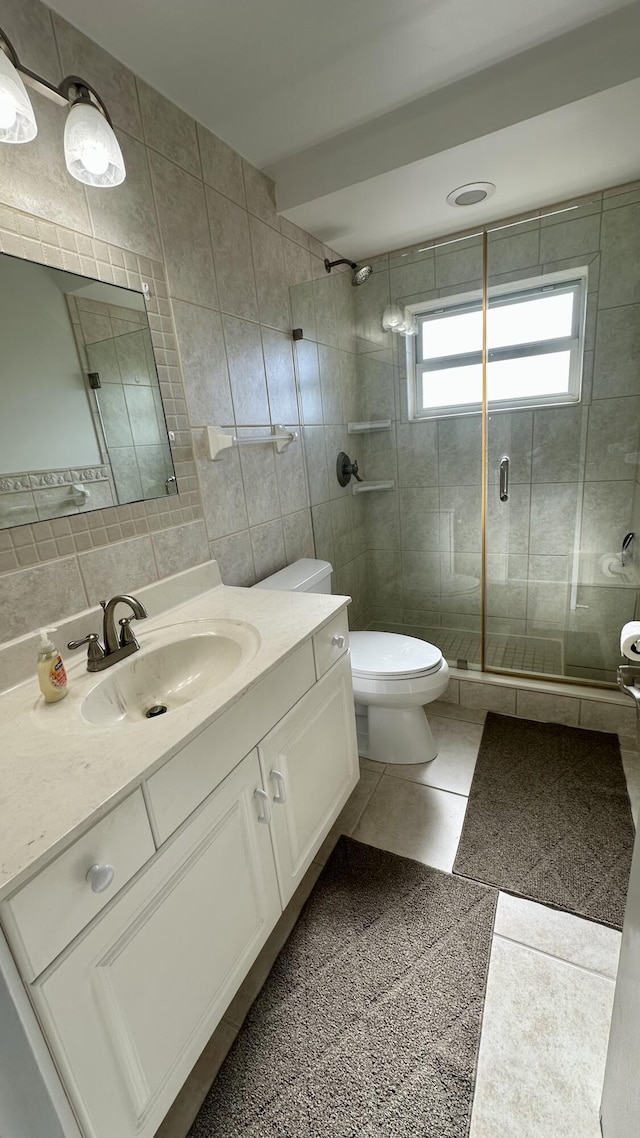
(305, 576)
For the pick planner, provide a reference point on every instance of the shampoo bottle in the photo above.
(51, 673)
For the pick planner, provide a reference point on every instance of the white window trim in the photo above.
(574, 394)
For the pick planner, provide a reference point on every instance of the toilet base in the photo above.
(400, 735)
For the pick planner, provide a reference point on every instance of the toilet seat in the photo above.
(389, 656)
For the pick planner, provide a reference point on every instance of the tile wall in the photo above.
(330, 382)
(199, 224)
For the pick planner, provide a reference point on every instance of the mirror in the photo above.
(82, 424)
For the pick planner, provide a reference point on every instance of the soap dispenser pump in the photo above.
(52, 676)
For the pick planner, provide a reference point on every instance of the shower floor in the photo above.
(515, 653)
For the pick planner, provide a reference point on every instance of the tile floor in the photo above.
(551, 975)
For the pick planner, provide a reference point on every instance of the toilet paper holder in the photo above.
(628, 676)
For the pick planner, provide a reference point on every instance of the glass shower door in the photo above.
(562, 442)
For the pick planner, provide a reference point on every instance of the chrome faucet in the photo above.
(115, 646)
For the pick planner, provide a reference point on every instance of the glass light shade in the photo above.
(91, 150)
(392, 318)
(17, 120)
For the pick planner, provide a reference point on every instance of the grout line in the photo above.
(553, 956)
(429, 785)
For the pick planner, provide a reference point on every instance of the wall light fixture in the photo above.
(91, 150)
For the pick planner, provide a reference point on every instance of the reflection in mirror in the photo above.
(82, 424)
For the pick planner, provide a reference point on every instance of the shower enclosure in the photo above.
(491, 383)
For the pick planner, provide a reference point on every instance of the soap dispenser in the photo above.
(52, 676)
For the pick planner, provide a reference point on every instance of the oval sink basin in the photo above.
(158, 680)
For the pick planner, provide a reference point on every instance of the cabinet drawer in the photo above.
(330, 643)
(45, 915)
(179, 787)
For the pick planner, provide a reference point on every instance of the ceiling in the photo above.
(286, 82)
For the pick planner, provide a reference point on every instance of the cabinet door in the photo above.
(129, 1008)
(310, 766)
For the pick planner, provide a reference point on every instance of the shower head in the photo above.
(360, 274)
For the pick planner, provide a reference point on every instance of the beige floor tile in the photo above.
(183, 1111)
(347, 820)
(455, 711)
(631, 764)
(369, 765)
(543, 1047)
(458, 742)
(559, 934)
(413, 820)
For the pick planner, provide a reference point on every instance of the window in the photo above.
(535, 333)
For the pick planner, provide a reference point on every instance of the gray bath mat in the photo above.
(549, 818)
(369, 1022)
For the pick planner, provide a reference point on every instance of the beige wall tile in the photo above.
(180, 548)
(235, 558)
(204, 364)
(184, 229)
(261, 195)
(547, 708)
(223, 499)
(271, 284)
(267, 543)
(221, 166)
(125, 216)
(169, 129)
(246, 371)
(36, 596)
(232, 256)
(119, 568)
(490, 697)
(281, 380)
(601, 716)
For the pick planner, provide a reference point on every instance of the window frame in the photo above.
(574, 280)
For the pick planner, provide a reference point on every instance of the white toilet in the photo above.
(393, 677)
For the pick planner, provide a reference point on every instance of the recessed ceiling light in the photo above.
(471, 194)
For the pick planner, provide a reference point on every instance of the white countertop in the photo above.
(59, 775)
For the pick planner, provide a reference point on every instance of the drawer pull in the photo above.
(100, 877)
(265, 807)
(281, 796)
(338, 641)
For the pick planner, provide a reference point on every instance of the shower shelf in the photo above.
(373, 425)
(218, 441)
(370, 487)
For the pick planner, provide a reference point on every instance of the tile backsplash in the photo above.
(199, 225)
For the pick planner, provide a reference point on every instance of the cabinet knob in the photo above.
(100, 877)
(338, 641)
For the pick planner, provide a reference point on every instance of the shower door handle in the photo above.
(504, 478)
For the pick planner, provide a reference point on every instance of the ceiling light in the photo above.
(471, 194)
(17, 120)
(91, 149)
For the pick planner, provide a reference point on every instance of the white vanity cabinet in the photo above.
(309, 763)
(129, 984)
(130, 1007)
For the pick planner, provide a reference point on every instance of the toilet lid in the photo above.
(389, 656)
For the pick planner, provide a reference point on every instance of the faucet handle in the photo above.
(95, 650)
(126, 635)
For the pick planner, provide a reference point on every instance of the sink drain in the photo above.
(157, 709)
